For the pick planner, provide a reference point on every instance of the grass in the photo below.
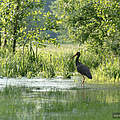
(52, 61)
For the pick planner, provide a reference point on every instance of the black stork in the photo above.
(82, 69)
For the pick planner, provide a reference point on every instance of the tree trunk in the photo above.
(15, 35)
(16, 26)
(0, 39)
(5, 41)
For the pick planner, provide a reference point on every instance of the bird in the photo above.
(82, 69)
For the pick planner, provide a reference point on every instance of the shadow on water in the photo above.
(42, 99)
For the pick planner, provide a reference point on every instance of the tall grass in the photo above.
(55, 61)
(46, 64)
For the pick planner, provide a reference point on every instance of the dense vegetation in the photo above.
(91, 26)
(91, 22)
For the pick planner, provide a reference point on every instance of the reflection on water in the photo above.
(43, 99)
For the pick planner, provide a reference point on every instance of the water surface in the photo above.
(57, 99)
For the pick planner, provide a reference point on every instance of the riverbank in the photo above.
(52, 61)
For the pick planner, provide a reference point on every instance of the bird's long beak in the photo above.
(73, 56)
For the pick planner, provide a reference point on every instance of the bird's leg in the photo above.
(83, 80)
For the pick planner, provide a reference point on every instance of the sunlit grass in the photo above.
(52, 61)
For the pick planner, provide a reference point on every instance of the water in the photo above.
(57, 99)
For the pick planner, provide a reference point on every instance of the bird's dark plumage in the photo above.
(81, 68)
(84, 70)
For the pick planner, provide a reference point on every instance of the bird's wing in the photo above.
(84, 70)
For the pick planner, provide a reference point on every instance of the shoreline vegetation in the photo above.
(54, 60)
(38, 38)
(38, 78)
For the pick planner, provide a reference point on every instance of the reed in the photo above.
(55, 61)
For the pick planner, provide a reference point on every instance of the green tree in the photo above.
(23, 21)
(93, 21)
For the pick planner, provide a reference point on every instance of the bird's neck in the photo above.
(77, 60)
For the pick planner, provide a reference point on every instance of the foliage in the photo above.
(24, 22)
(92, 21)
(68, 66)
